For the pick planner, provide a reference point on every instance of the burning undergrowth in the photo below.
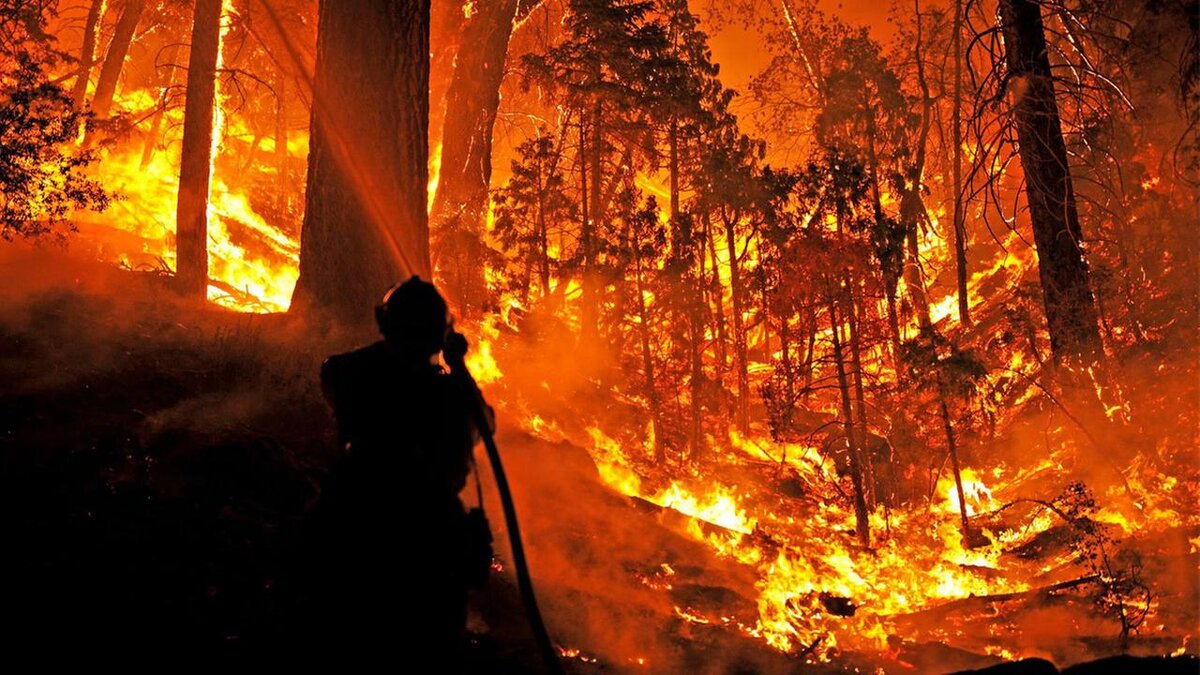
(1107, 560)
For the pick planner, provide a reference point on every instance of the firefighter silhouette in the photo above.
(391, 532)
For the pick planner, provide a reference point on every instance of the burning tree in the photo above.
(1070, 311)
(191, 222)
(460, 204)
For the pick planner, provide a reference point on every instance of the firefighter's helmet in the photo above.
(414, 313)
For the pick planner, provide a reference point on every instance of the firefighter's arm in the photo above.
(454, 353)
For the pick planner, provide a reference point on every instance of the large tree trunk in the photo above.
(460, 205)
(365, 223)
(445, 40)
(191, 215)
(114, 60)
(87, 52)
(1070, 310)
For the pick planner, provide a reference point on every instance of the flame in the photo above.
(978, 496)
(253, 261)
(435, 174)
(718, 507)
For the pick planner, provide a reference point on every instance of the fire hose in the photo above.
(455, 353)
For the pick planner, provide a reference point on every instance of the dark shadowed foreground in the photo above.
(156, 463)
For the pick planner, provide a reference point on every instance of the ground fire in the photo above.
(820, 337)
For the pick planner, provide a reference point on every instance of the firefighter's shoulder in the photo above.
(354, 364)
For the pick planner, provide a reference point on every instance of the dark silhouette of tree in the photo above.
(191, 215)
(730, 198)
(958, 224)
(1070, 309)
(87, 52)
(953, 376)
(114, 58)
(835, 190)
(460, 205)
(365, 222)
(865, 111)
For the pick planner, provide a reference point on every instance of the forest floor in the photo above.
(157, 461)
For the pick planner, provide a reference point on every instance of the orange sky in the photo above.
(740, 51)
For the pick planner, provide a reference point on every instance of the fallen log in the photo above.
(239, 296)
(977, 602)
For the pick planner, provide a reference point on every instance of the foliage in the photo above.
(42, 179)
(531, 208)
(24, 36)
(1122, 594)
(936, 364)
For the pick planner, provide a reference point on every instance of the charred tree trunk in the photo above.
(460, 204)
(546, 175)
(365, 223)
(677, 240)
(651, 387)
(446, 23)
(952, 448)
(694, 287)
(114, 60)
(959, 228)
(696, 335)
(87, 52)
(765, 307)
(741, 358)
(862, 519)
(591, 137)
(191, 215)
(585, 223)
(912, 203)
(789, 372)
(890, 277)
(810, 347)
(717, 298)
(543, 240)
(252, 153)
(589, 291)
(866, 468)
(1067, 294)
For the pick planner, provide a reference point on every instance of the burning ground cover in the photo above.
(1050, 569)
